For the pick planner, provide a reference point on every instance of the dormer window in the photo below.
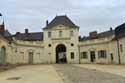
(60, 33)
(71, 33)
(49, 34)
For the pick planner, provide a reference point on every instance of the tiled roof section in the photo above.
(120, 31)
(99, 35)
(64, 20)
(6, 34)
(38, 36)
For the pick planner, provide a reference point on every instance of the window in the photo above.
(84, 55)
(60, 33)
(71, 33)
(102, 54)
(72, 55)
(121, 48)
(49, 34)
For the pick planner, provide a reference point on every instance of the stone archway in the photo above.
(61, 54)
(3, 55)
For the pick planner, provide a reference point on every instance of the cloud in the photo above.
(88, 14)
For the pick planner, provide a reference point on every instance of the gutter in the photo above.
(79, 54)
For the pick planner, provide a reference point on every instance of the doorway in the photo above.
(92, 56)
(61, 54)
(30, 55)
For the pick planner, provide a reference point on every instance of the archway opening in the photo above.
(3, 56)
(61, 54)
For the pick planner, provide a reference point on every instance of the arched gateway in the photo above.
(61, 54)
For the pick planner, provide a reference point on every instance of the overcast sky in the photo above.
(90, 15)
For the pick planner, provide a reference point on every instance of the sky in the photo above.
(89, 15)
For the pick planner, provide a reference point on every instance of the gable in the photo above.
(61, 20)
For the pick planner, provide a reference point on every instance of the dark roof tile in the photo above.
(99, 35)
(38, 36)
(120, 31)
(64, 20)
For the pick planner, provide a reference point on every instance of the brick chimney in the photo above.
(2, 27)
(93, 34)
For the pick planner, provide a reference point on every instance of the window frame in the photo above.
(72, 55)
(49, 34)
(60, 33)
(102, 54)
(84, 55)
(71, 33)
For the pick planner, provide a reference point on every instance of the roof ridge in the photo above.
(31, 32)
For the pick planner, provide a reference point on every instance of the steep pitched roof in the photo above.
(64, 20)
(120, 31)
(6, 34)
(37, 36)
(99, 35)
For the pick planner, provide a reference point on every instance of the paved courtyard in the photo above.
(31, 74)
(64, 73)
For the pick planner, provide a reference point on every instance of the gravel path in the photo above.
(74, 74)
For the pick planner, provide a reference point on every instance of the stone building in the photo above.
(60, 43)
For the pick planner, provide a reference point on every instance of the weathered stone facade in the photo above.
(60, 43)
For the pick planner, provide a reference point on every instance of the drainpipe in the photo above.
(118, 51)
(79, 54)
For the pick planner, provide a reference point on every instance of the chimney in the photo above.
(93, 34)
(2, 27)
(111, 29)
(26, 31)
(47, 22)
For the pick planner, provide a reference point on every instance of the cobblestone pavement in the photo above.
(75, 74)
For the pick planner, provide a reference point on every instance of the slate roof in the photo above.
(120, 31)
(36, 36)
(99, 35)
(6, 34)
(64, 20)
